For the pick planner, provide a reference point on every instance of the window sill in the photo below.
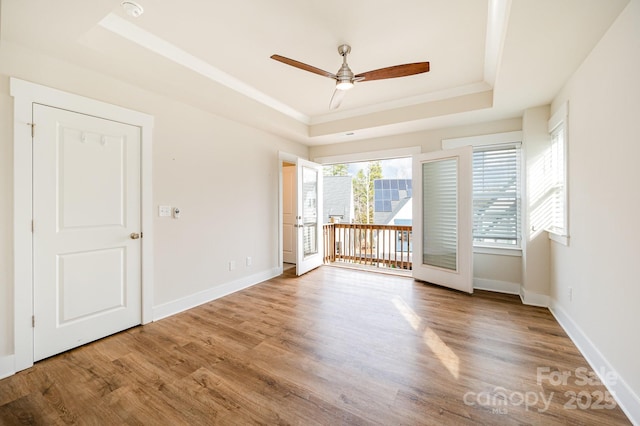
(560, 239)
(500, 251)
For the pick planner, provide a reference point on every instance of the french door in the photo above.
(310, 250)
(442, 218)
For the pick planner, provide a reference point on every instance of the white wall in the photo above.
(602, 262)
(6, 220)
(222, 174)
(535, 241)
(489, 270)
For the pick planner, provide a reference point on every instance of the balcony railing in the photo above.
(381, 246)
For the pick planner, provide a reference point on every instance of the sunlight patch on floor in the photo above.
(445, 355)
(409, 314)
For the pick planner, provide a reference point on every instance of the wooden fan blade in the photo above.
(303, 66)
(336, 99)
(395, 71)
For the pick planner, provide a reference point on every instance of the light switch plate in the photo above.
(164, 211)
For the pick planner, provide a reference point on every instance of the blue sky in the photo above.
(398, 168)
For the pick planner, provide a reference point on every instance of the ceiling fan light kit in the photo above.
(344, 85)
(345, 78)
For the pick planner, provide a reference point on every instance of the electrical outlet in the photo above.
(232, 265)
(249, 261)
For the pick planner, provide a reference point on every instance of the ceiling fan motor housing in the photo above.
(344, 76)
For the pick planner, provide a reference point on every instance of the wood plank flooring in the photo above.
(332, 347)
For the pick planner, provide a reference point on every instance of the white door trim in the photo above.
(25, 94)
(289, 158)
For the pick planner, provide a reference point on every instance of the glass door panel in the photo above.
(310, 211)
(440, 213)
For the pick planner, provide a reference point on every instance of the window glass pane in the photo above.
(440, 213)
(496, 196)
(309, 210)
(557, 175)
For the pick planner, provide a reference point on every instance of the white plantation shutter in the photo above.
(440, 213)
(557, 177)
(496, 195)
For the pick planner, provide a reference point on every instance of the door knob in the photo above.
(134, 236)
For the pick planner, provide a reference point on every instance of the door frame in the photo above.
(25, 94)
(283, 157)
(290, 170)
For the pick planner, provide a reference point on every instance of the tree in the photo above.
(336, 170)
(363, 191)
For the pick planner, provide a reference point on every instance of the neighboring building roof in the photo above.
(337, 198)
(390, 196)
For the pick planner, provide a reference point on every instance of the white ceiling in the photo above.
(490, 59)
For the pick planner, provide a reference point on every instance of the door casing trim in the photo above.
(25, 94)
(282, 158)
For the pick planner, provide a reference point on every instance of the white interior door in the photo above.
(442, 218)
(289, 235)
(310, 250)
(86, 212)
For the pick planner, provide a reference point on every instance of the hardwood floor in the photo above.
(334, 346)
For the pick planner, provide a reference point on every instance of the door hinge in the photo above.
(33, 321)
(33, 127)
(33, 227)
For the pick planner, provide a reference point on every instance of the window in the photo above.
(496, 190)
(496, 195)
(556, 169)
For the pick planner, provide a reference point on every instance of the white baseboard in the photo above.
(7, 366)
(527, 297)
(496, 285)
(626, 398)
(534, 299)
(196, 299)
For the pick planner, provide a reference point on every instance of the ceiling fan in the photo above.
(345, 78)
